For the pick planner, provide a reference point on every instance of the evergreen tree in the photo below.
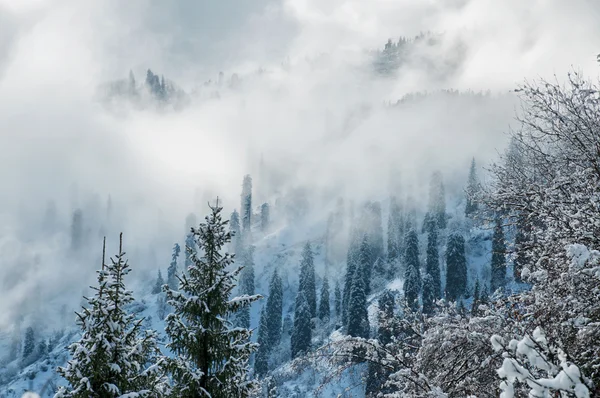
(352, 261)
(172, 279)
(324, 308)
(377, 374)
(236, 233)
(476, 298)
(432, 265)
(302, 330)
(246, 286)
(472, 190)
(520, 258)
(393, 231)
(29, 343)
(337, 301)
(365, 263)
(264, 217)
(77, 230)
(437, 200)
(190, 250)
(429, 294)
(275, 310)
(456, 268)
(211, 356)
(307, 279)
(412, 276)
(113, 357)
(358, 320)
(261, 361)
(246, 205)
(158, 285)
(498, 257)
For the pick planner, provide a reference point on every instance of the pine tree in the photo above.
(456, 268)
(498, 257)
(246, 287)
(358, 320)
(324, 308)
(211, 356)
(472, 191)
(246, 205)
(307, 279)
(302, 330)
(364, 258)
(352, 261)
(274, 309)
(264, 217)
(337, 301)
(429, 294)
(432, 265)
(190, 250)
(29, 342)
(159, 283)
(113, 357)
(378, 374)
(236, 244)
(476, 299)
(261, 361)
(437, 200)
(412, 276)
(172, 279)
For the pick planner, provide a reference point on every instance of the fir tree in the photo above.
(246, 205)
(429, 294)
(29, 342)
(365, 264)
(302, 331)
(412, 276)
(158, 285)
(261, 361)
(264, 217)
(432, 265)
(498, 257)
(472, 191)
(190, 250)
(337, 300)
(246, 287)
(211, 356)
(236, 233)
(358, 320)
(476, 298)
(378, 374)
(307, 279)
(172, 279)
(324, 308)
(437, 200)
(456, 268)
(113, 357)
(274, 310)
(352, 261)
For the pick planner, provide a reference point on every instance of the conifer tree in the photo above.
(158, 285)
(114, 357)
(190, 250)
(498, 257)
(432, 265)
(429, 294)
(246, 205)
(352, 261)
(437, 200)
(172, 279)
(324, 308)
(456, 268)
(520, 258)
(412, 276)
(375, 232)
(307, 279)
(365, 264)
(337, 300)
(472, 190)
(302, 329)
(29, 342)
(261, 361)
(211, 356)
(274, 309)
(264, 217)
(236, 233)
(246, 286)
(476, 298)
(358, 320)
(378, 374)
(393, 231)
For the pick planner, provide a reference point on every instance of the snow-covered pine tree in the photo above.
(437, 200)
(264, 217)
(377, 374)
(211, 356)
(456, 268)
(412, 275)
(114, 357)
(432, 264)
(157, 288)
(364, 260)
(172, 272)
(324, 307)
(261, 360)
(236, 233)
(246, 205)
(189, 243)
(246, 286)
(307, 279)
(337, 300)
(472, 191)
(274, 309)
(29, 342)
(302, 329)
(429, 294)
(352, 261)
(358, 319)
(476, 298)
(498, 257)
